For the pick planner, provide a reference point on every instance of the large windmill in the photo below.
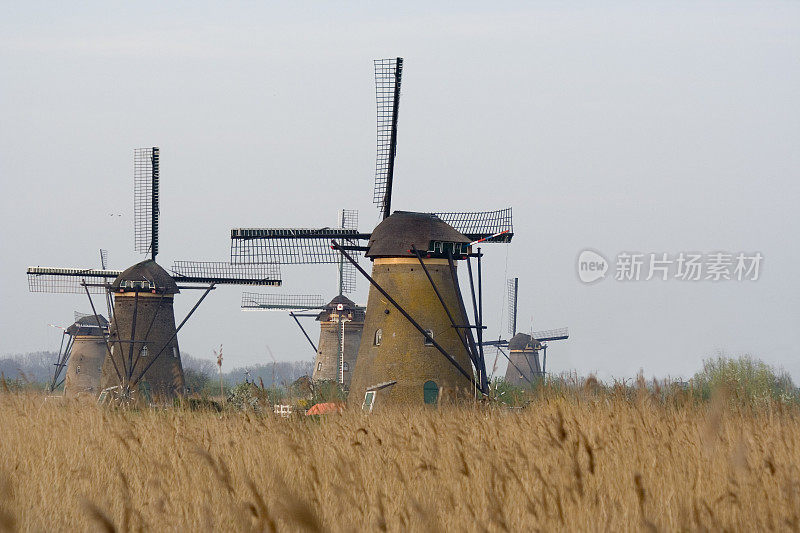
(418, 343)
(341, 320)
(142, 348)
(523, 358)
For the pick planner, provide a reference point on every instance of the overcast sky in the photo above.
(666, 128)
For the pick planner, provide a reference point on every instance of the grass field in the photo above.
(577, 461)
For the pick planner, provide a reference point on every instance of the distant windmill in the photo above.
(523, 358)
(341, 320)
(86, 340)
(87, 351)
(420, 345)
(142, 351)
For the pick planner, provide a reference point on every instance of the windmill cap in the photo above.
(522, 341)
(347, 305)
(147, 276)
(342, 300)
(87, 325)
(396, 234)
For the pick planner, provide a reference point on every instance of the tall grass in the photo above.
(580, 458)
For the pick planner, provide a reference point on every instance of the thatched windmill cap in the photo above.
(148, 276)
(397, 233)
(522, 341)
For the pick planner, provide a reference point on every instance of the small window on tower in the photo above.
(78, 369)
(319, 365)
(175, 353)
(378, 337)
(145, 352)
(346, 367)
(429, 338)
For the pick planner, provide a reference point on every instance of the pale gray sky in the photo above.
(664, 127)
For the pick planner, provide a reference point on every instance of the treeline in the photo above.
(36, 368)
(202, 374)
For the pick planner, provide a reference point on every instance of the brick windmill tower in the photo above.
(86, 355)
(418, 342)
(142, 353)
(81, 353)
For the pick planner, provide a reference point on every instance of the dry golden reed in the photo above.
(567, 462)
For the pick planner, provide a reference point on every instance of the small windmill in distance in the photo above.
(341, 320)
(523, 360)
(83, 354)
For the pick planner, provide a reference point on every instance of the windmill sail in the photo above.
(289, 246)
(559, 334)
(69, 280)
(486, 226)
(388, 77)
(348, 219)
(513, 291)
(145, 200)
(222, 273)
(281, 302)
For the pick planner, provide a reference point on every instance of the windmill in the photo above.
(79, 354)
(418, 343)
(82, 338)
(341, 320)
(142, 349)
(86, 352)
(523, 357)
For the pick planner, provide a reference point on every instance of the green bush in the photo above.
(247, 397)
(745, 380)
(327, 391)
(508, 394)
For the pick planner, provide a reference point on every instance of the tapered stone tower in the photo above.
(87, 354)
(143, 329)
(395, 361)
(524, 354)
(341, 324)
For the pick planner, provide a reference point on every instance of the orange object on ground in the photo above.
(325, 408)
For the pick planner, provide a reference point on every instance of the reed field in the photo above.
(583, 460)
